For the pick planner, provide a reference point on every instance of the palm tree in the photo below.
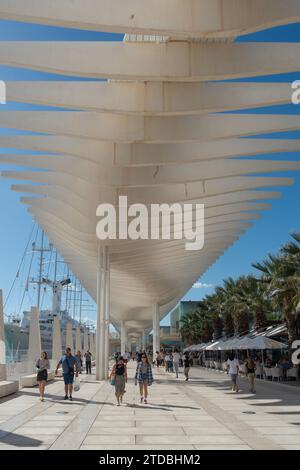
(228, 324)
(236, 305)
(197, 326)
(189, 328)
(217, 325)
(254, 294)
(212, 303)
(225, 311)
(291, 251)
(205, 324)
(281, 274)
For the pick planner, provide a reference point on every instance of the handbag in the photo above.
(112, 380)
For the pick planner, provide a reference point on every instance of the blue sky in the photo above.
(267, 235)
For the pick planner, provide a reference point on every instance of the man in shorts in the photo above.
(233, 370)
(69, 366)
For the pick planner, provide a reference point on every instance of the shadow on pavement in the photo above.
(18, 440)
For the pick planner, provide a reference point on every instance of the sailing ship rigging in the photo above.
(53, 289)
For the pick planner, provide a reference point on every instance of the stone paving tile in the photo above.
(52, 418)
(138, 419)
(11, 411)
(200, 414)
(264, 423)
(112, 424)
(114, 414)
(36, 431)
(285, 430)
(164, 423)
(8, 447)
(216, 440)
(205, 431)
(163, 439)
(292, 447)
(100, 440)
(289, 439)
(134, 430)
(46, 424)
(138, 447)
(222, 447)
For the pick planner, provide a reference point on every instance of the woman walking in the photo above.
(78, 358)
(119, 375)
(176, 358)
(144, 377)
(186, 365)
(250, 372)
(43, 365)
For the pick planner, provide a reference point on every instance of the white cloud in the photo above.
(202, 285)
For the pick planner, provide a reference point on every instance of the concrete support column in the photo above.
(123, 337)
(92, 345)
(56, 342)
(101, 294)
(144, 341)
(69, 336)
(107, 316)
(78, 344)
(156, 329)
(34, 349)
(2, 341)
(85, 340)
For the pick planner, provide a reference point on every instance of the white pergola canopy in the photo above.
(150, 133)
(177, 18)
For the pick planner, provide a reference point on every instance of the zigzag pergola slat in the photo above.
(178, 18)
(176, 61)
(151, 132)
(141, 154)
(150, 98)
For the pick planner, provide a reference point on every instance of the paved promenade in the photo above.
(200, 414)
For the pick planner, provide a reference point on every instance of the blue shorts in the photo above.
(68, 379)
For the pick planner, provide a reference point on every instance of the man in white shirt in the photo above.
(233, 369)
(176, 357)
(125, 356)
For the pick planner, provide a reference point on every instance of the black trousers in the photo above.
(88, 366)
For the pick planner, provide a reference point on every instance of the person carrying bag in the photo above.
(42, 365)
(118, 379)
(69, 364)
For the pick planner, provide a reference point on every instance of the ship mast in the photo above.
(80, 305)
(40, 271)
(42, 250)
